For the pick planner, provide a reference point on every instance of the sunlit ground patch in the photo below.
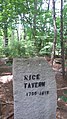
(5, 79)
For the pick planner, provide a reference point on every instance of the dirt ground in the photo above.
(6, 95)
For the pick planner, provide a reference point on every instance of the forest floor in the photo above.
(6, 94)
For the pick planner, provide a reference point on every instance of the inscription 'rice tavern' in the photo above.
(34, 84)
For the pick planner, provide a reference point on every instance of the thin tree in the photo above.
(62, 42)
(48, 3)
(5, 32)
(34, 19)
(55, 33)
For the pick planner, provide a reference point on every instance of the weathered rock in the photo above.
(34, 89)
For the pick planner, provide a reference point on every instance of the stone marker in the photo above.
(34, 89)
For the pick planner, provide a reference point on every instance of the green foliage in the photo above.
(35, 21)
(46, 50)
(24, 48)
(64, 98)
(1, 52)
(1, 47)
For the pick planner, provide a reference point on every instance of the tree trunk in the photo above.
(17, 34)
(24, 26)
(5, 35)
(55, 34)
(34, 19)
(62, 43)
(48, 4)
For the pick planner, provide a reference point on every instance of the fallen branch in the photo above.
(9, 102)
(65, 88)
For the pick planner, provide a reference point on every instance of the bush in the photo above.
(24, 48)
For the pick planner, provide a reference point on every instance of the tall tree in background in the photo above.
(34, 19)
(4, 21)
(62, 42)
(48, 4)
(7, 15)
(55, 33)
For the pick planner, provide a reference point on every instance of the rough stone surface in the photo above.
(34, 89)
